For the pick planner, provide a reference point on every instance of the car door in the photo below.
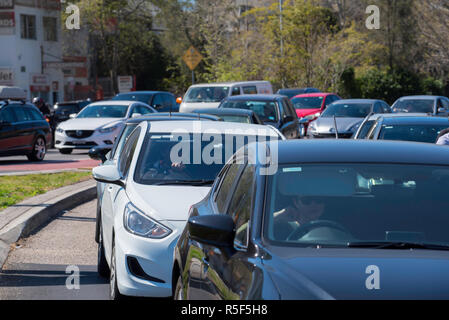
(289, 120)
(24, 128)
(228, 273)
(108, 201)
(8, 136)
(198, 289)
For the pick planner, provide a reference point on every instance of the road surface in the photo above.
(36, 268)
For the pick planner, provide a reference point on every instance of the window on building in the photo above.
(28, 26)
(50, 29)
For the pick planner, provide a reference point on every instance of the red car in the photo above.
(310, 106)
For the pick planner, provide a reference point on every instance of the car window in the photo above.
(34, 114)
(22, 115)
(377, 108)
(128, 152)
(363, 133)
(8, 115)
(235, 91)
(282, 111)
(168, 101)
(288, 108)
(373, 130)
(225, 186)
(445, 103)
(127, 130)
(386, 108)
(241, 205)
(266, 110)
(158, 101)
(249, 90)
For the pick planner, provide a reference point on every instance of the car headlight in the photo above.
(59, 130)
(141, 225)
(108, 130)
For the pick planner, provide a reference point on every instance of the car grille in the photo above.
(79, 134)
(83, 144)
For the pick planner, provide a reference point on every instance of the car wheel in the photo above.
(179, 293)
(39, 150)
(102, 264)
(114, 293)
(65, 151)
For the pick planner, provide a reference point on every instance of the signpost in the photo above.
(192, 58)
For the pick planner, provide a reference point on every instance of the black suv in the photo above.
(23, 130)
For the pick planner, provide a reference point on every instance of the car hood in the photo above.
(326, 125)
(343, 274)
(191, 106)
(166, 202)
(306, 112)
(89, 123)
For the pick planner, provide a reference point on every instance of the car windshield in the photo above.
(414, 106)
(66, 109)
(103, 111)
(145, 98)
(266, 110)
(347, 110)
(179, 159)
(339, 204)
(308, 103)
(417, 133)
(206, 94)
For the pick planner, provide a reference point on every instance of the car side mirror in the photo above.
(99, 153)
(217, 230)
(72, 115)
(108, 174)
(179, 100)
(135, 115)
(441, 110)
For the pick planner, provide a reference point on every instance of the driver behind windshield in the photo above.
(300, 211)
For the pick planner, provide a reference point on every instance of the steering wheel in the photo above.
(302, 230)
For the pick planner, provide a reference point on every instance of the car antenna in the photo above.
(336, 129)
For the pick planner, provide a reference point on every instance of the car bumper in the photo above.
(63, 141)
(144, 266)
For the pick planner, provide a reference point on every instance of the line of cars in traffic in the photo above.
(225, 202)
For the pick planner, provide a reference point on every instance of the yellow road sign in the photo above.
(192, 58)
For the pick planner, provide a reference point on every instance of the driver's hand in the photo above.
(178, 165)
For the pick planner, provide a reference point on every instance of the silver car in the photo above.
(343, 118)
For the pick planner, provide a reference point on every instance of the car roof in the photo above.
(225, 111)
(220, 127)
(314, 95)
(256, 97)
(115, 103)
(358, 151)
(141, 92)
(220, 84)
(424, 119)
(349, 101)
(167, 116)
(396, 115)
(425, 97)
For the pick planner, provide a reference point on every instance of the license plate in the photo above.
(79, 143)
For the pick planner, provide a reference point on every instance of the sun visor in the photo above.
(307, 181)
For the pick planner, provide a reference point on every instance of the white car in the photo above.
(97, 124)
(210, 95)
(148, 194)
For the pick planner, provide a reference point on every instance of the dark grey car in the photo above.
(343, 118)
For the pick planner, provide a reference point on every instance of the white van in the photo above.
(204, 96)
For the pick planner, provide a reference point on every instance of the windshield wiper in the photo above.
(396, 245)
(185, 182)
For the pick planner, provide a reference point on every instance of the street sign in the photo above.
(192, 58)
(125, 83)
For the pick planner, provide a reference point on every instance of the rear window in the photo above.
(207, 94)
(266, 110)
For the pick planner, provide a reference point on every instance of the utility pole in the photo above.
(282, 39)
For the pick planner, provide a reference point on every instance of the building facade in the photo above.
(31, 51)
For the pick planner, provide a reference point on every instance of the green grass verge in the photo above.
(14, 189)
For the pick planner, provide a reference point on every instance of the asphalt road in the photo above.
(38, 268)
